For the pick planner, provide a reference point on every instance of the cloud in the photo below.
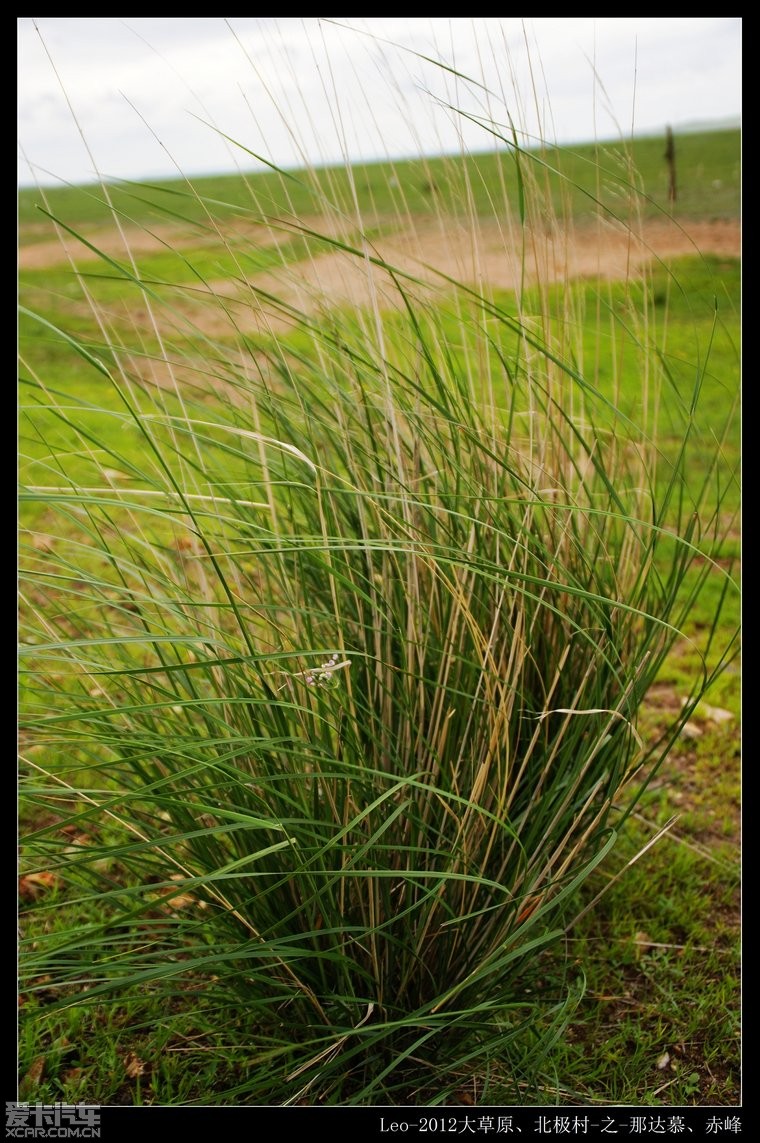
(304, 88)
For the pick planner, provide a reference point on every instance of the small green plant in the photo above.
(339, 620)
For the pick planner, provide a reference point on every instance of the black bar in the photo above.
(427, 1124)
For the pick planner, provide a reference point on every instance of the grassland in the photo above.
(658, 1021)
(708, 167)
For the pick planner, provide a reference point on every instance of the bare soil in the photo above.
(427, 258)
(496, 257)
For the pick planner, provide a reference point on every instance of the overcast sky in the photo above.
(152, 97)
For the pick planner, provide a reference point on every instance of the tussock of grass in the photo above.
(338, 629)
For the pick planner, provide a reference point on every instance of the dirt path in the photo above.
(431, 254)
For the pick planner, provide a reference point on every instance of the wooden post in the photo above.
(670, 156)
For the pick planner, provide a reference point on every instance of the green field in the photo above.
(171, 384)
(576, 180)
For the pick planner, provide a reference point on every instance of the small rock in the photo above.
(690, 730)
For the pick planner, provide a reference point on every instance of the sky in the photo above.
(147, 98)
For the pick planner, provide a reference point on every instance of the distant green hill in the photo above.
(568, 180)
